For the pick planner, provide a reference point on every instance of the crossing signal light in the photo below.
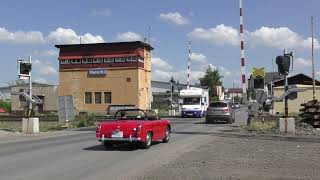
(24, 68)
(283, 63)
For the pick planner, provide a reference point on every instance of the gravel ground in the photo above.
(241, 158)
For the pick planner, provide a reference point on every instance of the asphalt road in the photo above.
(77, 155)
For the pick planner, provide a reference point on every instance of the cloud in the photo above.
(225, 71)
(280, 38)
(159, 63)
(129, 36)
(45, 53)
(272, 37)
(219, 35)
(69, 36)
(180, 75)
(198, 57)
(58, 36)
(175, 18)
(41, 80)
(104, 12)
(21, 37)
(302, 63)
(44, 68)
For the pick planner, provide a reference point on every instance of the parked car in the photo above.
(236, 105)
(2, 110)
(219, 111)
(134, 126)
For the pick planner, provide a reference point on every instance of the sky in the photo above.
(33, 27)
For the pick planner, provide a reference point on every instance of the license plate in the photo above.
(117, 134)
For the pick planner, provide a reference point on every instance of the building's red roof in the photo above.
(2, 110)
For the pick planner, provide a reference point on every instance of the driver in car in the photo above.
(123, 115)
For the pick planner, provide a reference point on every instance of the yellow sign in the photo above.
(259, 72)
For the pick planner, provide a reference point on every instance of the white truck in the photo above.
(195, 102)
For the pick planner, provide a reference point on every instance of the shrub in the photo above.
(262, 126)
(5, 105)
(84, 121)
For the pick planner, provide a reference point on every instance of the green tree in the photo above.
(211, 79)
(237, 98)
(252, 94)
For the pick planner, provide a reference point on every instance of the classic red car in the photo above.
(134, 125)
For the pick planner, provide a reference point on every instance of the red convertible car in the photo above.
(134, 125)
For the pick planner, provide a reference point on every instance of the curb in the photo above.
(313, 139)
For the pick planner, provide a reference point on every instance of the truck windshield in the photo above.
(191, 101)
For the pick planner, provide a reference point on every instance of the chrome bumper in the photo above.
(130, 139)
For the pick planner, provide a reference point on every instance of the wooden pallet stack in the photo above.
(311, 112)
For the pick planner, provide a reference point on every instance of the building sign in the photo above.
(97, 72)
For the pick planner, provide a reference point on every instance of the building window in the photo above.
(67, 61)
(22, 101)
(97, 60)
(107, 97)
(129, 59)
(140, 59)
(97, 97)
(108, 60)
(76, 61)
(117, 59)
(86, 61)
(88, 98)
(134, 58)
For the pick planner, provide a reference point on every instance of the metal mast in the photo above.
(312, 47)
(188, 70)
(242, 55)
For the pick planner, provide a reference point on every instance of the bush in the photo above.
(214, 98)
(262, 126)
(84, 121)
(5, 105)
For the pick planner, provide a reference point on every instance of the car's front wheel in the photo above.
(148, 142)
(167, 136)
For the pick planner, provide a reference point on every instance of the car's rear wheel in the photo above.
(167, 136)
(107, 145)
(148, 142)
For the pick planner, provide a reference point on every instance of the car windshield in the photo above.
(218, 104)
(191, 101)
(130, 114)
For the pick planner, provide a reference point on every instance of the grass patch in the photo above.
(259, 126)
(84, 121)
(10, 126)
(51, 127)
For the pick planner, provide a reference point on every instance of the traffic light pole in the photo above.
(286, 88)
(30, 87)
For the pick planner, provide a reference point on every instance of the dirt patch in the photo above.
(242, 158)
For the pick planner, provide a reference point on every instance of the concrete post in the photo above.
(287, 125)
(30, 125)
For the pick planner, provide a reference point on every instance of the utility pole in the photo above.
(233, 92)
(312, 47)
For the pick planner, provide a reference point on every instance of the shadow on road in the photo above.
(120, 147)
(259, 137)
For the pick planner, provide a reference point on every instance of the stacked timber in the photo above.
(311, 112)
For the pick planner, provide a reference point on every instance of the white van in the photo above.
(195, 102)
